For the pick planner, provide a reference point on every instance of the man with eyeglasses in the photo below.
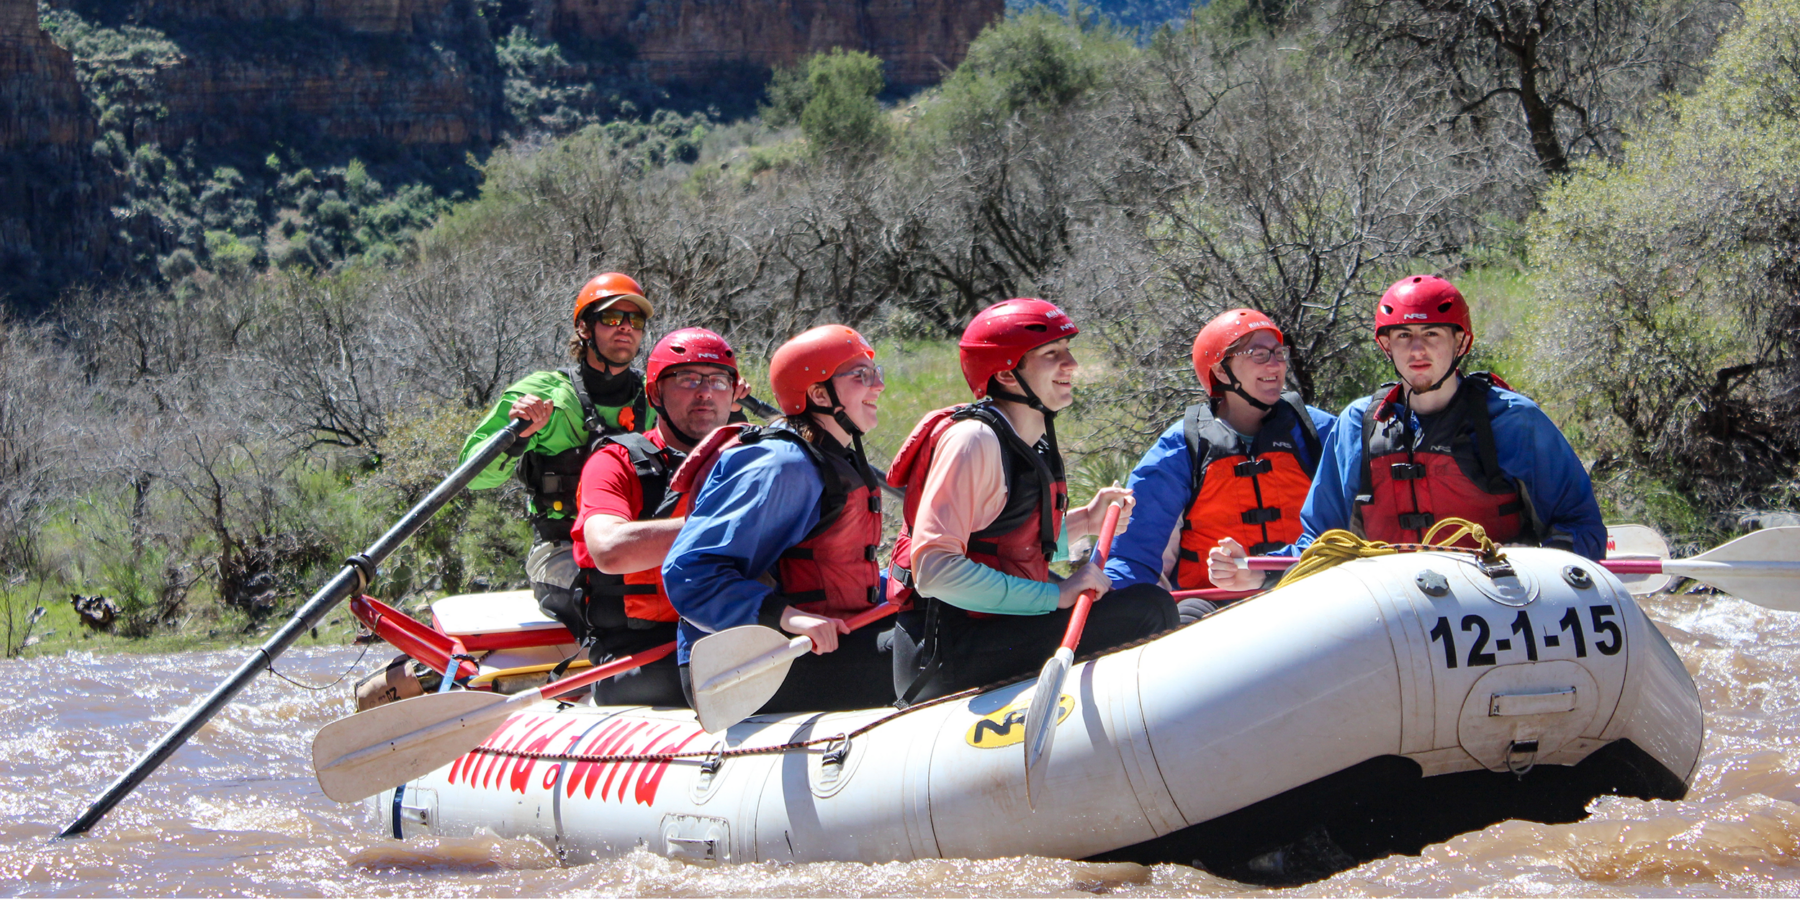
(568, 410)
(1438, 444)
(627, 517)
(1236, 465)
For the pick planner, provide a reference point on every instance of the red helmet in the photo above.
(1423, 300)
(688, 346)
(809, 358)
(607, 286)
(1002, 334)
(1226, 329)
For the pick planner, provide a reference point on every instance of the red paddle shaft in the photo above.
(1085, 602)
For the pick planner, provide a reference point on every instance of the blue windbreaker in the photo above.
(1162, 484)
(1531, 451)
(759, 500)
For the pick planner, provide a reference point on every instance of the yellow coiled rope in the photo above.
(1339, 546)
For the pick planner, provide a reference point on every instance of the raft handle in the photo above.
(1521, 757)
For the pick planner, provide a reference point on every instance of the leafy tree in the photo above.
(841, 113)
(1671, 280)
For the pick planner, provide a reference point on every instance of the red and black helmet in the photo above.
(1002, 334)
(1225, 329)
(689, 346)
(1423, 300)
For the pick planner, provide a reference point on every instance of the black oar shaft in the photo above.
(353, 577)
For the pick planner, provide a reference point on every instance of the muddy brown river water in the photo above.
(237, 812)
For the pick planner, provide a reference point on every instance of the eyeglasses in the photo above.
(870, 376)
(1262, 355)
(693, 381)
(610, 318)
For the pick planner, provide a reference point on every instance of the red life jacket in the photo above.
(642, 592)
(1255, 497)
(1411, 480)
(1022, 539)
(833, 570)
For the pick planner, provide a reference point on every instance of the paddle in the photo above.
(1040, 718)
(737, 670)
(1760, 567)
(358, 571)
(1638, 542)
(369, 752)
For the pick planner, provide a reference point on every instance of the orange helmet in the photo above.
(809, 358)
(1224, 330)
(606, 286)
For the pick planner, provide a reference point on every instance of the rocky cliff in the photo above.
(386, 71)
(54, 196)
(143, 128)
(686, 40)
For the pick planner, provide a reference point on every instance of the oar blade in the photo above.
(1762, 567)
(722, 705)
(1638, 542)
(373, 773)
(1040, 723)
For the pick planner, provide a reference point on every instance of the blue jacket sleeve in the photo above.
(1324, 423)
(1332, 498)
(1534, 453)
(1160, 483)
(759, 500)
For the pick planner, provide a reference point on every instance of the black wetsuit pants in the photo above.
(857, 675)
(970, 651)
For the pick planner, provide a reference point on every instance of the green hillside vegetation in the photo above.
(205, 453)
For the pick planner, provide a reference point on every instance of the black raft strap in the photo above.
(619, 589)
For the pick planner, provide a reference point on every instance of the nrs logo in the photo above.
(1006, 727)
(1416, 316)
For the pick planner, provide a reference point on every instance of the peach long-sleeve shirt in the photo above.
(964, 492)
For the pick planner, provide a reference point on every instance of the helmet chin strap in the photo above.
(1455, 364)
(842, 418)
(1029, 398)
(1237, 387)
(663, 421)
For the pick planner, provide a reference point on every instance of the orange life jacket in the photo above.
(1253, 497)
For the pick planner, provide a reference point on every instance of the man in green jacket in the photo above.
(569, 410)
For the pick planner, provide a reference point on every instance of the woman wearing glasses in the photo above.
(987, 510)
(784, 527)
(1236, 467)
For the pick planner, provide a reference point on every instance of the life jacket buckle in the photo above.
(1416, 521)
(1407, 471)
(1261, 515)
(1252, 467)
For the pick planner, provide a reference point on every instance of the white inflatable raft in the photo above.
(1275, 729)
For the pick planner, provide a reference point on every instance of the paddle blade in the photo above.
(1638, 542)
(374, 750)
(1040, 722)
(737, 670)
(1762, 567)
